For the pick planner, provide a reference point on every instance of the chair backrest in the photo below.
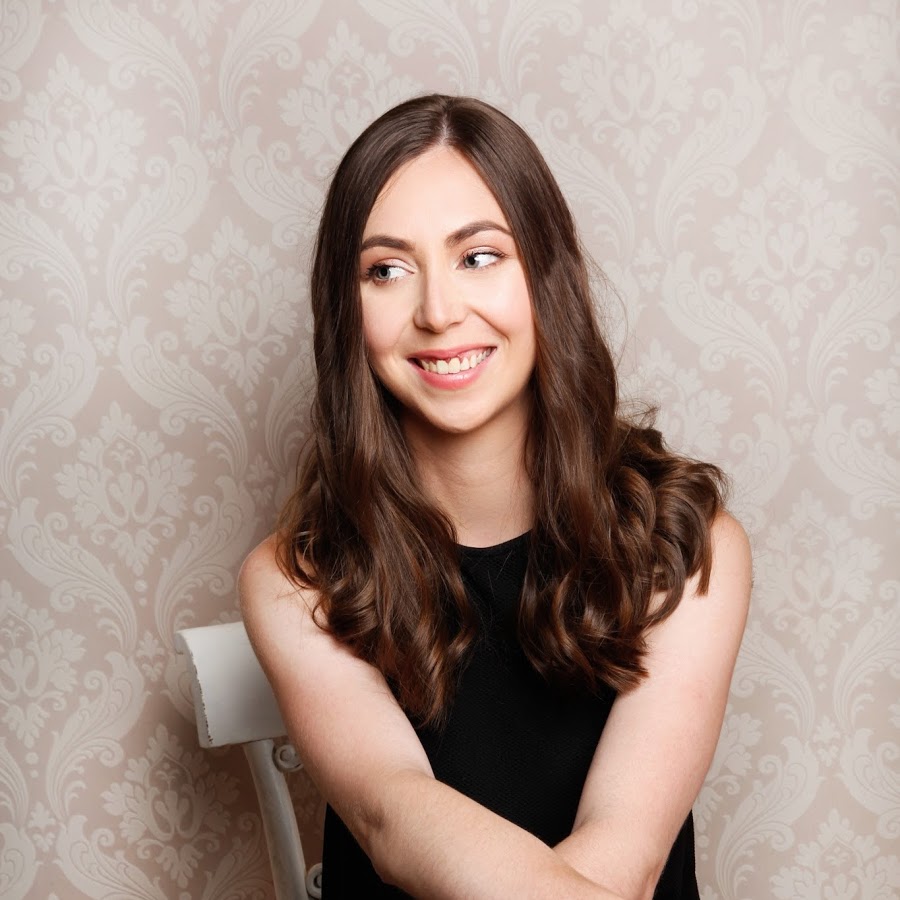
(234, 704)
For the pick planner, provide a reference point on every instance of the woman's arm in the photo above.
(660, 738)
(367, 760)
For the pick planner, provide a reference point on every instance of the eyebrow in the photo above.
(454, 238)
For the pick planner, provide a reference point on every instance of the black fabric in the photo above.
(513, 743)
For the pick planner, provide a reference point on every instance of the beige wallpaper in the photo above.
(734, 167)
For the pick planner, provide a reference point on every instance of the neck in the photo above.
(479, 481)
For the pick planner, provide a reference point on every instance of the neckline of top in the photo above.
(503, 547)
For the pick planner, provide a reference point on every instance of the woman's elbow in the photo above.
(371, 821)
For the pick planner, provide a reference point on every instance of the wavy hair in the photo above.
(620, 522)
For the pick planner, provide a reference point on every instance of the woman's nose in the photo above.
(440, 304)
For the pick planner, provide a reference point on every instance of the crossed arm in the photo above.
(433, 841)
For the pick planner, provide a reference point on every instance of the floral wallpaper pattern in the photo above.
(734, 168)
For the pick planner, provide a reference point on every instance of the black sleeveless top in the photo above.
(512, 742)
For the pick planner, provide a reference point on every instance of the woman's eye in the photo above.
(382, 273)
(478, 259)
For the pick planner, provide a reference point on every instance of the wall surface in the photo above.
(734, 168)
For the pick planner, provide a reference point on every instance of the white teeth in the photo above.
(454, 364)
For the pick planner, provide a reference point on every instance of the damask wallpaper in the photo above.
(734, 167)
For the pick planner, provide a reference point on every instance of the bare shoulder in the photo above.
(262, 577)
(272, 605)
(260, 572)
(732, 558)
(725, 604)
(729, 538)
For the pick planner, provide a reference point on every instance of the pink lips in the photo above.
(452, 368)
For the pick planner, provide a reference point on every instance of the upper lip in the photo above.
(451, 352)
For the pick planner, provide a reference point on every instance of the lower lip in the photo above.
(452, 381)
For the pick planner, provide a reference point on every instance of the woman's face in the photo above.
(446, 310)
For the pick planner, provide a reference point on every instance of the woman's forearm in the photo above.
(623, 869)
(432, 841)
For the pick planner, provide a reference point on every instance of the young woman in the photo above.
(500, 619)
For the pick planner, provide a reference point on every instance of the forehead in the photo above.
(436, 192)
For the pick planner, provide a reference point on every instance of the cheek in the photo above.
(517, 309)
(379, 331)
(522, 317)
(373, 327)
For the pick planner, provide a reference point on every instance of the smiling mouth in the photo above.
(455, 363)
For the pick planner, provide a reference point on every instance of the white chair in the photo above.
(234, 704)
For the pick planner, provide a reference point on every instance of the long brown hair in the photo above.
(618, 518)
